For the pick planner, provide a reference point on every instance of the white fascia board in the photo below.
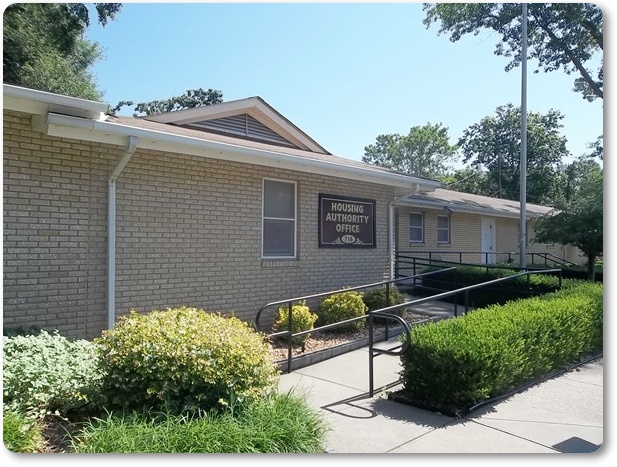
(37, 102)
(253, 106)
(196, 114)
(467, 210)
(113, 133)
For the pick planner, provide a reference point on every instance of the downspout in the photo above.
(111, 231)
(391, 255)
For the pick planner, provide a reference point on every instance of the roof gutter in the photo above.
(391, 227)
(111, 230)
(113, 133)
(40, 102)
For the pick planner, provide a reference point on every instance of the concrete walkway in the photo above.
(561, 415)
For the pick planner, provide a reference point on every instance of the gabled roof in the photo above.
(81, 119)
(457, 201)
(251, 118)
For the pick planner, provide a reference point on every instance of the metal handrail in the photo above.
(387, 311)
(475, 286)
(348, 289)
(373, 352)
(554, 258)
(289, 332)
(417, 262)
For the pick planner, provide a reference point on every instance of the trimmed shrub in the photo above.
(500, 293)
(184, 359)
(302, 320)
(460, 362)
(581, 273)
(343, 306)
(375, 299)
(48, 372)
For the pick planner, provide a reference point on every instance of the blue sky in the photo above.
(344, 73)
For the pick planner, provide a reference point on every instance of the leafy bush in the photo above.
(48, 372)
(581, 273)
(375, 299)
(302, 320)
(486, 353)
(343, 306)
(184, 359)
(499, 293)
(20, 432)
(277, 424)
(21, 331)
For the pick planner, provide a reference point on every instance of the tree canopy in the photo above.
(425, 151)
(560, 35)
(580, 221)
(190, 99)
(468, 180)
(494, 145)
(44, 46)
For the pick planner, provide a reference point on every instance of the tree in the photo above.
(580, 222)
(423, 152)
(468, 180)
(44, 46)
(494, 145)
(190, 99)
(597, 148)
(560, 35)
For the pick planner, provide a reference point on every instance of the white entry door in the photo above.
(488, 240)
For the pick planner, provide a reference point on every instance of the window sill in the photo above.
(280, 263)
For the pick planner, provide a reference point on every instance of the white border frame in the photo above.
(295, 220)
(423, 228)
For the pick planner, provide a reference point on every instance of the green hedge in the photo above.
(500, 293)
(455, 364)
(581, 273)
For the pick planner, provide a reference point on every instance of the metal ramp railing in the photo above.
(385, 313)
(410, 260)
(290, 301)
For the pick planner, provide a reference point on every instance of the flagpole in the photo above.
(523, 161)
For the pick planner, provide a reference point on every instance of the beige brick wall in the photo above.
(509, 241)
(188, 232)
(465, 236)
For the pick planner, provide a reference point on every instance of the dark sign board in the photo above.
(346, 222)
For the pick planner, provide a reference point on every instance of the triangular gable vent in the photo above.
(241, 125)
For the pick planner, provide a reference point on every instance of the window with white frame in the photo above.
(416, 227)
(443, 229)
(279, 219)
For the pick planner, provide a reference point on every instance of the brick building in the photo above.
(216, 207)
(448, 223)
(225, 207)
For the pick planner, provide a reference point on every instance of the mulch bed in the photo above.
(328, 339)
